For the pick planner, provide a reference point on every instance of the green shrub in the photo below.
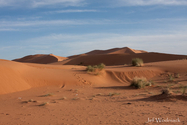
(93, 68)
(139, 82)
(137, 62)
(90, 68)
(101, 66)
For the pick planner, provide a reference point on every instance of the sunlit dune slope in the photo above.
(41, 59)
(17, 76)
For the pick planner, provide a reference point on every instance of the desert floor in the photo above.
(45, 94)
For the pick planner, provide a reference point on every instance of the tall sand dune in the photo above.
(120, 59)
(124, 50)
(41, 59)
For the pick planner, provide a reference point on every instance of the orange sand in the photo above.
(73, 96)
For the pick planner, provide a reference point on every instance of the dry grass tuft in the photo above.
(167, 91)
(139, 82)
(43, 104)
(63, 98)
(184, 90)
(49, 94)
(137, 62)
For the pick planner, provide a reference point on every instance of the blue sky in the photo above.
(68, 27)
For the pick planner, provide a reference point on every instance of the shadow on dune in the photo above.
(116, 87)
(164, 98)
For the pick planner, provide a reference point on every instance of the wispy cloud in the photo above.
(26, 23)
(52, 22)
(72, 11)
(65, 3)
(70, 44)
(20, 24)
(76, 43)
(8, 29)
(41, 3)
(147, 2)
(38, 3)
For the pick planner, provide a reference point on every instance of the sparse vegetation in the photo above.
(177, 75)
(30, 100)
(43, 104)
(99, 94)
(90, 68)
(63, 98)
(177, 91)
(95, 67)
(113, 94)
(75, 98)
(165, 81)
(101, 66)
(137, 62)
(139, 82)
(171, 78)
(150, 83)
(81, 63)
(170, 85)
(167, 91)
(184, 90)
(49, 94)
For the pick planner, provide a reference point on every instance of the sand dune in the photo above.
(18, 76)
(87, 98)
(41, 59)
(53, 93)
(124, 50)
(21, 76)
(120, 59)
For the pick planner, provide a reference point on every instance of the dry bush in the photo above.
(95, 67)
(167, 91)
(139, 82)
(137, 62)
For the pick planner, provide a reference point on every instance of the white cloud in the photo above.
(51, 3)
(38, 3)
(41, 3)
(70, 44)
(8, 29)
(76, 44)
(147, 2)
(52, 22)
(72, 11)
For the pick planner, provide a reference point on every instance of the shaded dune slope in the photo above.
(120, 59)
(124, 50)
(41, 59)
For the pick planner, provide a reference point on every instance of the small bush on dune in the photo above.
(171, 78)
(101, 66)
(137, 62)
(90, 68)
(95, 67)
(139, 82)
(184, 90)
(167, 91)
